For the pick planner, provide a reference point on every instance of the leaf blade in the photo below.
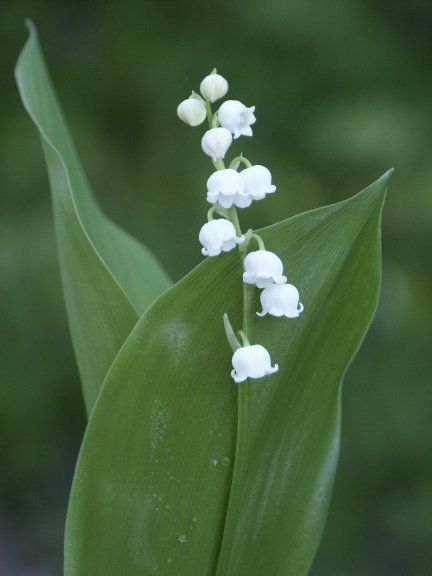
(193, 389)
(111, 263)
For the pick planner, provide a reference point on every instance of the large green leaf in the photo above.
(154, 490)
(108, 277)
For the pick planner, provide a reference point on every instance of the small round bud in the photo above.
(213, 87)
(216, 142)
(192, 111)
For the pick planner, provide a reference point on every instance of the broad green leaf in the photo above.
(154, 490)
(108, 277)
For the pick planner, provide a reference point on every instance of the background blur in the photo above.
(343, 91)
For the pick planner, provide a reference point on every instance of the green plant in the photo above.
(181, 471)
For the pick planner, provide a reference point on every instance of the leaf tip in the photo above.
(29, 24)
(386, 177)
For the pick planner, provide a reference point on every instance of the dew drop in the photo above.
(225, 461)
(182, 538)
(167, 506)
(169, 560)
(194, 519)
(212, 464)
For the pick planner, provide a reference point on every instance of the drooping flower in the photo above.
(226, 188)
(237, 118)
(281, 300)
(216, 142)
(263, 268)
(251, 362)
(218, 236)
(192, 111)
(257, 181)
(213, 87)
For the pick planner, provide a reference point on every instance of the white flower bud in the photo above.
(213, 87)
(192, 111)
(226, 188)
(237, 118)
(263, 268)
(251, 362)
(281, 300)
(218, 236)
(257, 182)
(216, 142)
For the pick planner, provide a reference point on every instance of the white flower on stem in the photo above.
(263, 268)
(257, 181)
(218, 236)
(281, 300)
(216, 142)
(237, 118)
(226, 188)
(251, 362)
(213, 87)
(192, 111)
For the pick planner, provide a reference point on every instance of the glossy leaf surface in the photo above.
(108, 277)
(154, 490)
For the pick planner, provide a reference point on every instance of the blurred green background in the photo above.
(343, 91)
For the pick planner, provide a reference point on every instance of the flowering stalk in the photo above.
(227, 190)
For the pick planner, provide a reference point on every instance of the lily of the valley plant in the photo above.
(227, 190)
(180, 471)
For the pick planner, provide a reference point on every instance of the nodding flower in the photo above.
(237, 118)
(281, 300)
(257, 182)
(263, 268)
(218, 236)
(251, 362)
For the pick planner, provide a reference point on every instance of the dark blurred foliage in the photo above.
(343, 91)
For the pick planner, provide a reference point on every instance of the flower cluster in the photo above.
(229, 189)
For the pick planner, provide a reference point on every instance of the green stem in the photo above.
(260, 241)
(244, 338)
(209, 113)
(240, 159)
(216, 209)
(219, 164)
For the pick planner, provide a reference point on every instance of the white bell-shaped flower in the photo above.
(226, 188)
(237, 118)
(257, 181)
(263, 268)
(281, 300)
(216, 142)
(218, 236)
(251, 362)
(192, 111)
(213, 87)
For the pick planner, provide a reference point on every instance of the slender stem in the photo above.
(244, 338)
(248, 309)
(209, 113)
(240, 159)
(218, 210)
(233, 216)
(218, 164)
(260, 241)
